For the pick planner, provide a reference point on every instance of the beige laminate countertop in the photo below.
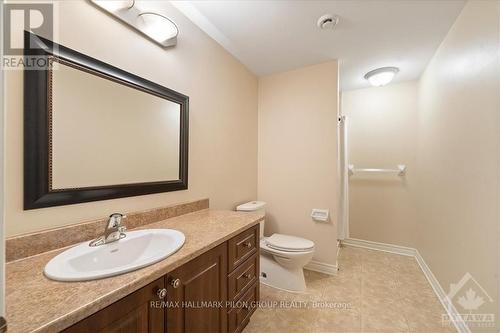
(37, 304)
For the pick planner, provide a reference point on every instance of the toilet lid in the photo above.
(288, 243)
(251, 206)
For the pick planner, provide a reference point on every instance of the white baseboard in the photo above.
(402, 250)
(321, 267)
(441, 294)
(435, 285)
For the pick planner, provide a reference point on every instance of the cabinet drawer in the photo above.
(242, 247)
(239, 315)
(243, 277)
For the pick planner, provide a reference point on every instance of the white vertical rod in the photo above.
(343, 223)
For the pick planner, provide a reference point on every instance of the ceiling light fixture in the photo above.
(156, 27)
(327, 21)
(381, 76)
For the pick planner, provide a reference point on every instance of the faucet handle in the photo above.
(115, 220)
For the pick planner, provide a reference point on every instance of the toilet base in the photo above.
(275, 275)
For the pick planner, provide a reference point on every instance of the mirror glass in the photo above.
(105, 132)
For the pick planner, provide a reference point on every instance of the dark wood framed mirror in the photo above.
(95, 132)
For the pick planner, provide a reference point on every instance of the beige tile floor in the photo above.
(373, 292)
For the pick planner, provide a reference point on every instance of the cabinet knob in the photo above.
(247, 244)
(247, 276)
(161, 293)
(175, 283)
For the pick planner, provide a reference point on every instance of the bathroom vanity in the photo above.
(215, 292)
(209, 285)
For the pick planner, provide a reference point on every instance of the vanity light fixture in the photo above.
(381, 76)
(156, 27)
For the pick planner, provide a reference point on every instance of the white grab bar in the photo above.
(400, 171)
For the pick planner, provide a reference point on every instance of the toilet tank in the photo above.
(254, 206)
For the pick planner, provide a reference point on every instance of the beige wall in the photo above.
(382, 133)
(298, 153)
(458, 152)
(223, 114)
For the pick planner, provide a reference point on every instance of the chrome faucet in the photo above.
(114, 230)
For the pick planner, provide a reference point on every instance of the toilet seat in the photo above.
(286, 243)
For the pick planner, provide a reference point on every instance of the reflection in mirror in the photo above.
(104, 133)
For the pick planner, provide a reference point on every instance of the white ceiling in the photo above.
(274, 36)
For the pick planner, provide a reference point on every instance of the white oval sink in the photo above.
(138, 249)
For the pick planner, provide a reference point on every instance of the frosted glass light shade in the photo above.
(114, 5)
(381, 76)
(157, 26)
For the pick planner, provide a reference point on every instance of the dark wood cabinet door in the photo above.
(196, 294)
(134, 313)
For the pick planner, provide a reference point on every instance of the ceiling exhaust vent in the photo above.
(328, 21)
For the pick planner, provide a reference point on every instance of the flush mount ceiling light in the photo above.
(381, 76)
(327, 21)
(156, 27)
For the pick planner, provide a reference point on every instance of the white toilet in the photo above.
(282, 257)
